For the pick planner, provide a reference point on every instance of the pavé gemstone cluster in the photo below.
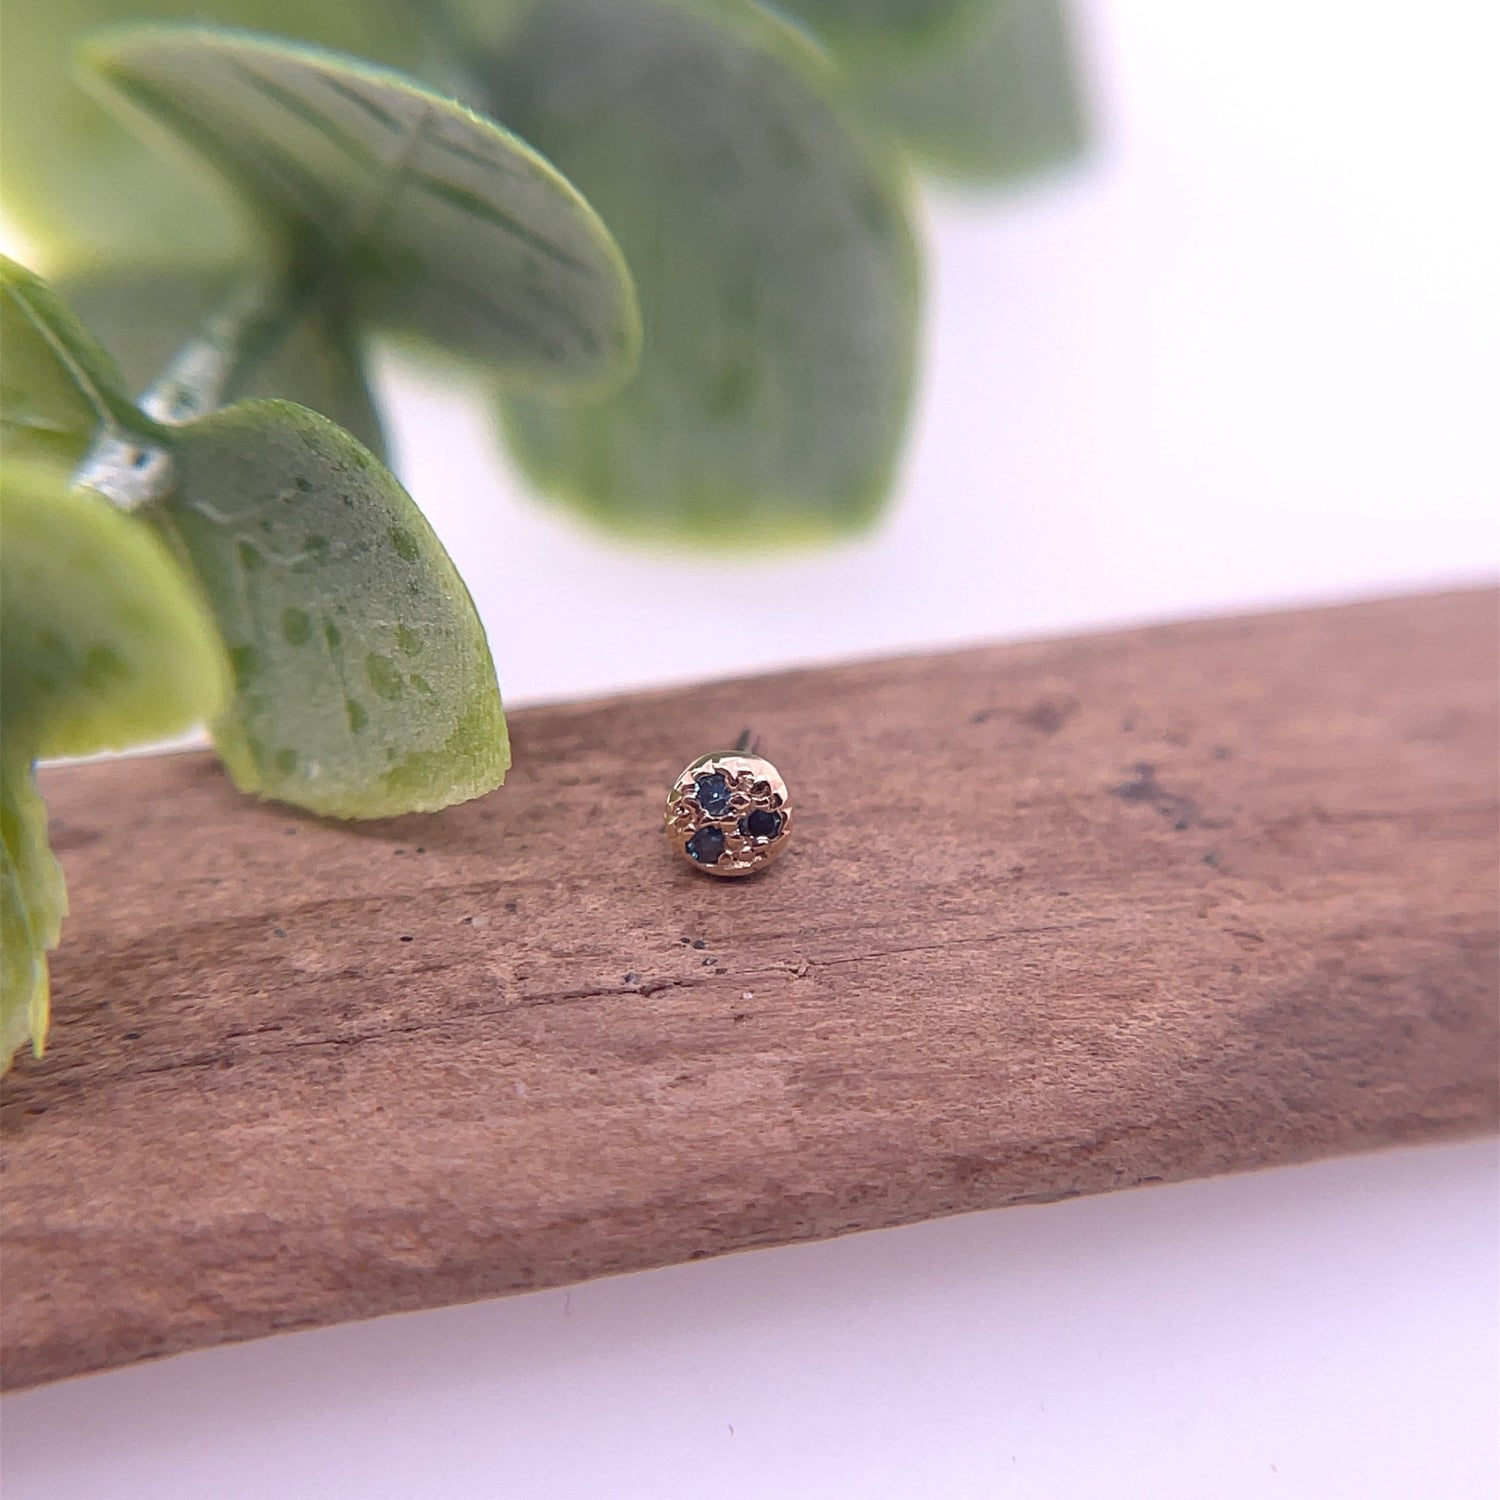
(729, 813)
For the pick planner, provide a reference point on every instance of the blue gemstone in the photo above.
(713, 795)
(761, 824)
(706, 845)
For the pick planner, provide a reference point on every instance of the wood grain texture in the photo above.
(1061, 918)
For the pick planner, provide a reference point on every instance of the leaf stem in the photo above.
(223, 351)
(134, 468)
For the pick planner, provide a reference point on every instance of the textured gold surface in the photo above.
(754, 784)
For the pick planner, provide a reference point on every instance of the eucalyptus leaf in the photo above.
(442, 223)
(894, 31)
(79, 186)
(1000, 100)
(142, 315)
(58, 387)
(775, 260)
(106, 641)
(364, 683)
(32, 905)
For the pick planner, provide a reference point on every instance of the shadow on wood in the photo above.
(1060, 918)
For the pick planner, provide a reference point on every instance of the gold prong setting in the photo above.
(728, 814)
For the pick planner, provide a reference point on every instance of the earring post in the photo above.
(745, 745)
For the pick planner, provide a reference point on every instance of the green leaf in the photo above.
(775, 262)
(364, 683)
(144, 314)
(81, 187)
(891, 30)
(106, 641)
(446, 225)
(32, 904)
(1001, 100)
(58, 388)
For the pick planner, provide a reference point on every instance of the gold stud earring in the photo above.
(729, 813)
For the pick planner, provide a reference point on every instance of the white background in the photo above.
(1249, 355)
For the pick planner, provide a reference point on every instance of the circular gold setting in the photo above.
(729, 814)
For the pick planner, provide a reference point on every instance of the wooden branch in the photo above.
(1060, 918)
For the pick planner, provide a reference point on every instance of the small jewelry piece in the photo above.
(728, 813)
